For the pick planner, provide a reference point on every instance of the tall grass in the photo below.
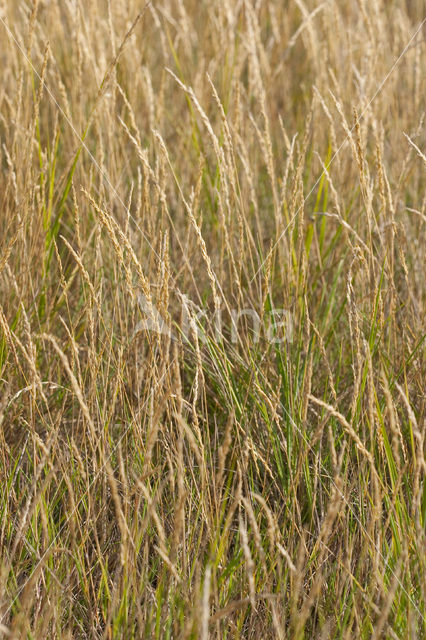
(175, 461)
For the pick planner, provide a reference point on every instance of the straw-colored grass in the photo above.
(212, 267)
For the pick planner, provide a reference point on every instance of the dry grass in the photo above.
(163, 171)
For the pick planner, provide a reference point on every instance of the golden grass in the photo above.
(212, 319)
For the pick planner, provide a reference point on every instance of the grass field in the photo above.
(212, 319)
